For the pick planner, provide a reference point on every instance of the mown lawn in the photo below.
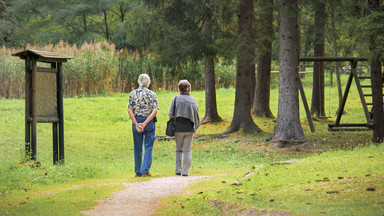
(334, 183)
(99, 158)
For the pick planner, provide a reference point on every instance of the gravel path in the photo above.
(142, 198)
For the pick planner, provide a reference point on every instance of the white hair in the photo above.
(144, 80)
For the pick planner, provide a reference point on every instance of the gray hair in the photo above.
(144, 80)
(184, 87)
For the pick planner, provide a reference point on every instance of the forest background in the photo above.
(114, 41)
(173, 40)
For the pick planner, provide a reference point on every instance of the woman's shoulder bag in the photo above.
(170, 131)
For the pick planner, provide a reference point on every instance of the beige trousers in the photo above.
(183, 152)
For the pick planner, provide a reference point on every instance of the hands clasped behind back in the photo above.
(143, 127)
(140, 127)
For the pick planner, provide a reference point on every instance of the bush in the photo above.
(97, 68)
(11, 75)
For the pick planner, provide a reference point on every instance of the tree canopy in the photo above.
(182, 32)
(170, 27)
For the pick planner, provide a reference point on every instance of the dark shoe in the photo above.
(178, 173)
(147, 174)
(137, 176)
(185, 175)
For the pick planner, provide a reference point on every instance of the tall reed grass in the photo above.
(11, 75)
(98, 68)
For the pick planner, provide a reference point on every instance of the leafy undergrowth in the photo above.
(344, 182)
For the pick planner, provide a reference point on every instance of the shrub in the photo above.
(97, 68)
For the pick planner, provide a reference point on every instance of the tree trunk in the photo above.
(263, 79)
(211, 114)
(85, 23)
(122, 12)
(317, 108)
(253, 86)
(242, 118)
(288, 126)
(106, 25)
(336, 51)
(376, 80)
(377, 100)
(338, 80)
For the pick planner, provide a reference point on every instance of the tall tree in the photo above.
(317, 107)
(288, 126)
(2, 8)
(104, 6)
(73, 21)
(334, 36)
(245, 70)
(306, 30)
(211, 113)
(6, 23)
(122, 7)
(377, 47)
(76, 17)
(263, 78)
(188, 31)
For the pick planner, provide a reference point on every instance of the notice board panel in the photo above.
(46, 95)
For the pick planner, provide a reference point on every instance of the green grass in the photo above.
(98, 145)
(99, 158)
(300, 187)
(58, 199)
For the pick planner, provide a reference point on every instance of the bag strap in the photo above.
(174, 110)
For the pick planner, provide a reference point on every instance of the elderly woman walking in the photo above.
(142, 109)
(187, 122)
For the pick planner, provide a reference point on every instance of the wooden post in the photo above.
(60, 111)
(304, 99)
(55, 144)
(361, 94)
(353, 62)
(344, 100)
(27, 108)
(34, 109)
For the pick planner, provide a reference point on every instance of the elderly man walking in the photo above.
(142, 109)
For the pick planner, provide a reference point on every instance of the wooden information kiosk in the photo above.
(43, 99)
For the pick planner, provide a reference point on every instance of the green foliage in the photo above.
(73, 21)
(225, 74)
(373, 27)
(97, 69)
(171, 28)
(174, 31)
(11, 75)
(92, 71)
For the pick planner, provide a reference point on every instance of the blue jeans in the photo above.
(148, 137)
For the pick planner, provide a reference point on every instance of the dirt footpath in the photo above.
(142, 198)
